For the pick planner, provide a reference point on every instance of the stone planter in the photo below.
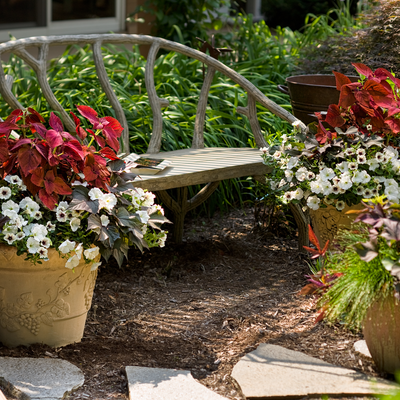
(326, 221)
(382, 334)
(43, 303)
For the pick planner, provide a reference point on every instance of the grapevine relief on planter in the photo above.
(31, 313)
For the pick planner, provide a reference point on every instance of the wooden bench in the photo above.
(197, 165)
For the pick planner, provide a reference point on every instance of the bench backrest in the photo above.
(39, 65)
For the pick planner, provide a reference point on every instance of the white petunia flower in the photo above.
(33, 245)
(5, 193)
(277, 155)
(313, 202)
(360, 152)
(75, 223)
(72, 262)
(61, 215)
(353, 166)
(326, 188)
(67, 246)
(327, 174)
(39, 232)
(367, 193)
(392, 193)
(289, 175)
(343, 166)
(286, 197)
(301, 174)
(361, 177)
(298, 194)
(10, 206)
(45, 242)
(108, 201)
(14, 180)
(379, 157)
(50, 226)
(96, 194)
(350, 151)
(91, 253)
(373, 164)
(144, 216)
(104, 220)
(345, 181)
(79, 250)
(328, 201)
(310, 175)
(292, 162)
(10, 238)
(20, 235)
(95, 265)
(361, 160)
(316, 186)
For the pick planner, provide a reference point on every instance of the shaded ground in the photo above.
(200, 306)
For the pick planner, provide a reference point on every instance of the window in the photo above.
(24, 18)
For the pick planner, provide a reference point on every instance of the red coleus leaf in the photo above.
(90, 173)
(29, 159)
(48, 199)
(100, 160)
(6, 127)
(4, 152)
(114, 125)
(363, 70)
(55, 123)
(393, 124)
(37, 115)
(111, 139)
(88, 113)
(37, 177)
(323, 134)
(39, 128)
(20, 143)
(341, 80)
(54, 138)
(333, 117)
(379, 93)
(74, 148)
(61, 187)
(14, 116)
(107, 152)
(79, 130)
(310, 288)
(346, 98)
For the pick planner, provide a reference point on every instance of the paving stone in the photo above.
(361, 347)
(162, 384)
(273, 371)
(41, 378)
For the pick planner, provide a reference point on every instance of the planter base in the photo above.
(43, 303)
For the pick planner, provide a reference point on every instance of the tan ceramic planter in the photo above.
(326, 221)
(382, 334)
(45, 303)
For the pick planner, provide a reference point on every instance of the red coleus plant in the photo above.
(371, 105)
(49, 160)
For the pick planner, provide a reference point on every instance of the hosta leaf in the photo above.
(391, 230)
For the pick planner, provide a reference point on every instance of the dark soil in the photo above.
(201, 306)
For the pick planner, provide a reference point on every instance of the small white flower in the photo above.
(287, 196)
(310, 175)
(374, 164)
(14, 180)
(350, 151)
(37, 215)
(264, 150)
(316, 186)
(328, 201)
(335, 189)
(10, 206)
(92, 253)
(10, 238)
(296, 124)
(96, 194)
(75, 223)
(20, 235)
(72, 262)
(144, 216)
(50, 226)
(42, 253)
(162, 239)
(5, 193)
(392, 193)
(379, 157)
(340, 205)
(282, 183)
(391, 153)
(369, 127)
(104, 220)
(67, 246)
(353, 166)
(61, 215)
(361, 177)
(360, 190)
(326, 188)
(360, 152)
(301, 174)
(361, 160)
(148, 199)
(33, 245)
(367, 193)
(313, 202)
(277, 155)
(374, 192)
(45, 242)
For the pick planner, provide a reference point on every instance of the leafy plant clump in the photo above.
(361, 282)
(375, 42)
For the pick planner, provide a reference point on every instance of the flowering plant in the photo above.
(71, 193)
(350, 153)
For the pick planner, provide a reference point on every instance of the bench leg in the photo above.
(182, 205)
(302, 221)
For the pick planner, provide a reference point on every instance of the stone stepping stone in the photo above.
(361, 347)
(40, 378)
(162, 384)
(273, 371)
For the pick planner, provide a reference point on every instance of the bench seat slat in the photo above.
(199, 166)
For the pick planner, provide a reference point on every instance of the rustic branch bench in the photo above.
(197, 165)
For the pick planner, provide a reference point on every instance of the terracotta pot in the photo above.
(382, 334)
(43, 303)
(326, 221)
